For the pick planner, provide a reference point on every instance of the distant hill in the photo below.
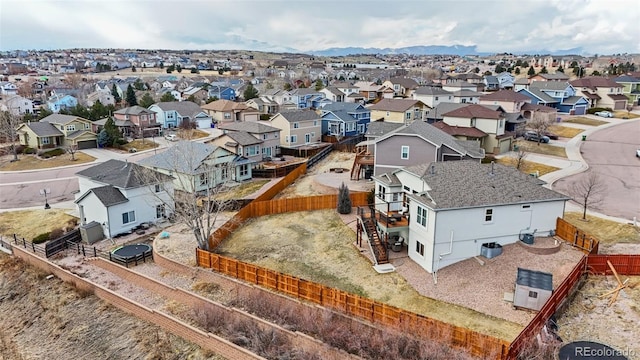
(460, 50)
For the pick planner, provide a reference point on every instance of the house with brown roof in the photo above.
(491, 122)
(298, 127)
(136, 121)
(601, 92)
(402, 86)
(225, 111)
(509, 100)
(403, 111)
(58, 130)
(558, 76)
(253, 140)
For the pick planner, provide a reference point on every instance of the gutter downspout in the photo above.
(435, 273)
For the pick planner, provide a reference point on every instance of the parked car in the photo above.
(551, 135)
(171, 137)
(533, 136)
(606, 114)
(638, 153)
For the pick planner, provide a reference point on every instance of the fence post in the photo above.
(95, 253)
(33, 246)
(15, 239)
(83, 253)
(77, 248)
(24, 243)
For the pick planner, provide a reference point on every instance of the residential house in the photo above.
(520, 83)
(8, 88)
(333, 93)
(369, 90)
(137, 121)
(120, 196)
(58, 130)
(432, 95)
(253, 140)
(198, 167)
(556, 94)
(459, 86)
(505, 80)
(264, 104)
(456, 207)
(466, 96)
(200, 94)
(344, 119)
(491, 83)
(104, 97)
(306, 98)
(346, 88)
(222, 92)
(225, 111)
(171, 114)
(558, 76)
(398, 110)
(630, 88)
(61, 102)
(601, 92)
(16, 105)
(508, 100)
(402, 86)
(435, 114)
(298, 127)
(417, 143)
(491, 122)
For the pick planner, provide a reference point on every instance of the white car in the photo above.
(638, 153)
(606, 114)
(171, 137)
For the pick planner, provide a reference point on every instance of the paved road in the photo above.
(610, 152)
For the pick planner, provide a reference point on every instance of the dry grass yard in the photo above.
(527, 166)
(30, 223)
(318, 246)
(614, 237)
(623, 114)
(140, 145)
(243, 190)
(544, 149)
(563, 131)
(588, 316)
(585, 121)
(192, 134)
(32, 162)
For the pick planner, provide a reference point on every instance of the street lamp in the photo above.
(46, 202)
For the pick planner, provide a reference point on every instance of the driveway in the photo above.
(610, 152)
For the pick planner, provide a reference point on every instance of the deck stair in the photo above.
(379, 247)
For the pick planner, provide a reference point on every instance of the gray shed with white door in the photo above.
(533, 289)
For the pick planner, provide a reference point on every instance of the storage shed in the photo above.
(91, 232)
(533, 289)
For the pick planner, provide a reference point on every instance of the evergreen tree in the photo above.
(499, 69)
(287, 87)
(531, 71)
(525, 64)
(103, 138)
(319, 85)
(139, 85)
(344, 201)
(167, 97)
(544, 70)
(115, 94)
(98, 111)
(179, 68)
(193, 99)
(133, 68)
(131, 96)
(560, 69)
(517, 71)
(146, 100)
(250, 92)
(161, 65)
(113, 134)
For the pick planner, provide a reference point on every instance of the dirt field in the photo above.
(589, 318)
(48, 319)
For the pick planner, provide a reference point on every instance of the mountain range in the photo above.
(460, 50)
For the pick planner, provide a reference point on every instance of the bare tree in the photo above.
(72, 149)
(539, 123)
(588, 191)
(519, 153)
(201, 178)
(8, 124)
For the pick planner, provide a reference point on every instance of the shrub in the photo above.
(28, 150)
(371, 197)
(41, 238)
(596, 109)
(52, 153)
(265, 116)
(121, 142)
(56, 233)
(488, 159)
(344, 201)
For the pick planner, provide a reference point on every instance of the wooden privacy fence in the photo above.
(484, 346)
(576, 237)
(556, 301)
(624, 264)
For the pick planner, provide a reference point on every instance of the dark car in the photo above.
(533, 136)
(551, 135)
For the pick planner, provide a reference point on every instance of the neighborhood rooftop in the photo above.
(117, 173)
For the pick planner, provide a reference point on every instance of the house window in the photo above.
(158, 188)
(251, 150)
(473, 122)
(387, 113)
(264, 136)
(224, 173)
(488, 215)
(87, 126)
(533, 294)
(422, 216)
(315, 122)
(382, 191)
(294, 139)
(296, 125)
(128, 217)
(501, 124)
(71, 127)
(170, 116)
(436, 98)
(244, 170)
(286, 139)
(464, 101)
(404, 153)
(204, 179)
(160, 211)
(227, 116)
(526, 207)
(420, 248)
(395, 197)
(46, 141)
(407, 116)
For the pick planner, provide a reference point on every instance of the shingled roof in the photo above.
(395, 105)
(472, 132)
(108, 195)
(61, 119)
(504, 95)
(468, 183)
(594, 82)
(300, 115)
(184, 108)
(43, 129)
(185, 157)
(120, 174)
(475, 111)
(134, 110)
(248, 126)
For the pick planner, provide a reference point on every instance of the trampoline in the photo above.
(579, 350)
(132, 253)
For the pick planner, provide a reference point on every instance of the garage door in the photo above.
(88, 144)
(505, 146)
(619, 105)
(580, 110)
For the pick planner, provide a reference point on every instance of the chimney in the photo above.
(492, 169)
(433, 169)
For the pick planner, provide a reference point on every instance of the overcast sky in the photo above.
(597, 26)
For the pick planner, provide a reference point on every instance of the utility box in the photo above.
(91, 232)
(533, 289)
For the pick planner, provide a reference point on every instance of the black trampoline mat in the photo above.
(582, 350)
(131, 251)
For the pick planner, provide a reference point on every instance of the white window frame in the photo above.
(404, 155)
(71, 127)
(419, 248)
(244, 169)
(45, 141)
(488, 215)
(296, 125)
(294, 139)
(160, 211)
(421, 218)
(130, 217)
(157, 188)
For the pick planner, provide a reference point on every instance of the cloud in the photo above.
(493, 26)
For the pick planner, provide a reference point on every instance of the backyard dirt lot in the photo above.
(589, 318)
